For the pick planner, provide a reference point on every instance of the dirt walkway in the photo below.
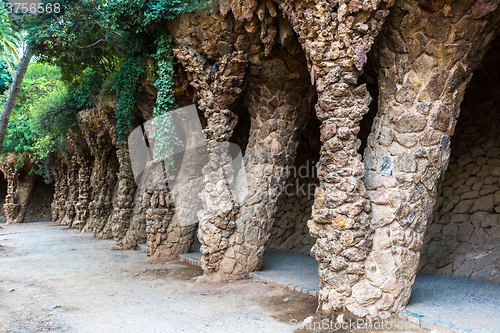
(53, 279)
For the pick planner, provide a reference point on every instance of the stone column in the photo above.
(336, 38)
(72, 186)
(217, 87)
(11, 207)
(171, 231)
(19, 188)
(124, 202)
(60, 192)
(426, 56)
(84, 192)
(279, 97)
(99, 130)
(103, 181)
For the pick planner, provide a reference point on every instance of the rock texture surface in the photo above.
(290, 231)
(19, 187)
(463, 238)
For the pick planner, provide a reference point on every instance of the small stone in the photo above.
(496, 198)
(438, 26)
(496, 172)
(463, 206)
(464, 159)
(488, 189)
(484, 204)
(365, 294)
(406, 95)
(476, 151)
(493, 152)
(441, 119)
(469, 195)
(465, 231)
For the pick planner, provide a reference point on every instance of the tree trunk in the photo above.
(14, 91)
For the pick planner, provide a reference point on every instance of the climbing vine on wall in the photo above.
(127, 88)
(163, 131)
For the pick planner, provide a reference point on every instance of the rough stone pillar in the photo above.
(159, 212)
(103, 181)
(279, 97)
(19, 188)
(84, 192)
(217, 86)
(99, 130)
(124, 202)
(60, 192)
(72, 186)
(368, 249)
(236, 31)
(171, 232)
(336, 37)
(426, 56)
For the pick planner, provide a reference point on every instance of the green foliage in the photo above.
(108, 86)
(39, 85)
(5, 77)
(100, 47)
(163, 130)
(46, 112)
(10, 39)
(127, 87)
(76, 38)
(142, 21)
(165, 83)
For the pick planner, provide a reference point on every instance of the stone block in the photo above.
(464, 159)
(482, 160)
(496, 198)
(484, 204)
(488, 189)
(476, 151)
(465, 231)
(477, 186)
(365, 294)
(469, 195)
(495, 172)
(493, 152)
(463, 206)
(465, 270)
(490, 180)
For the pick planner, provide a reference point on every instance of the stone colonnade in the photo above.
(283, 59)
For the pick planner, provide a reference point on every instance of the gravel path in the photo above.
(54, 279)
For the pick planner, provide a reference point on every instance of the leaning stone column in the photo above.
(124, 202)
(279, 98)
(336, 38)
(60, 193)
(426, 57)
(171, 231)
(72, 186)
(11, 207)
(84, 192)
(99, 130)
(217, 87)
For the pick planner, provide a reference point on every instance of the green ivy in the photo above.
(163, 130)
(128, 87)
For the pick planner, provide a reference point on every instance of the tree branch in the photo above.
(86, 47)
